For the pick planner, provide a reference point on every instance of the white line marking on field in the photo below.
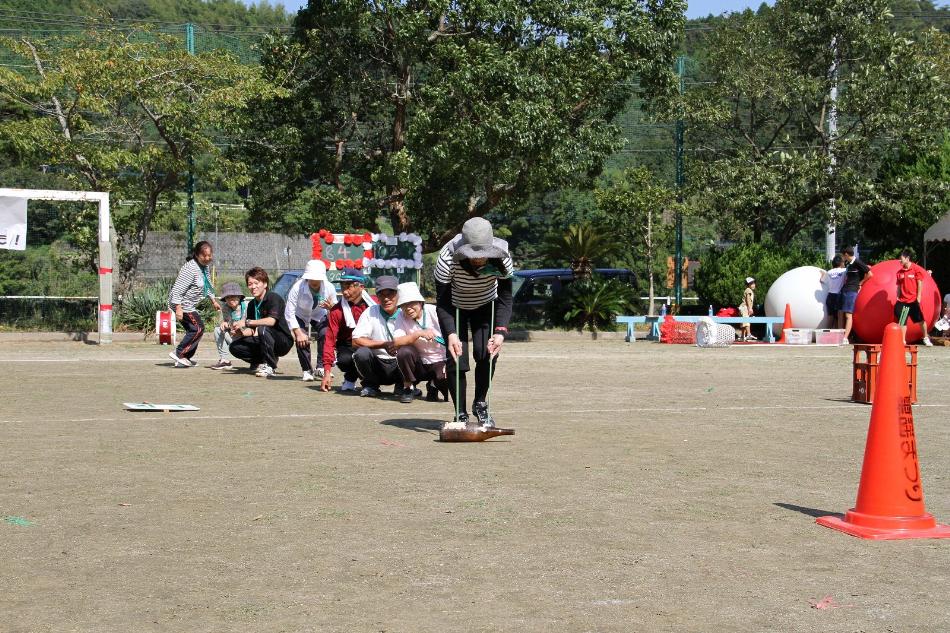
(418, 414)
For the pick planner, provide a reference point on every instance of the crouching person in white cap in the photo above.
(375, 355)
(307, 302)
(473, 293)
(420, 348)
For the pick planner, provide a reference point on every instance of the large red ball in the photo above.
(874, 308)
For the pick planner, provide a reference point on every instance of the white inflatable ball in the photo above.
(804, 291)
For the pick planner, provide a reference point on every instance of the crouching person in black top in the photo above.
(473, 280)
(263, 335)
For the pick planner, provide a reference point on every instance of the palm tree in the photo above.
(582, 245)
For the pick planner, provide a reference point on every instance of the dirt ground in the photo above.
(649, 488)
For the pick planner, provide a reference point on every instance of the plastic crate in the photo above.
(798, 336)
(829, 337)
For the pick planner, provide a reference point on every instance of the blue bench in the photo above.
(655, 321)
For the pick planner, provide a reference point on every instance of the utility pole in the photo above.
(191, 224)
(680, 181)
(831, 235)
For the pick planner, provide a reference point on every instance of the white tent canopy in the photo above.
(939, 232)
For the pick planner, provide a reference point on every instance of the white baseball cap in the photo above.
(315, 270)
(749, 280)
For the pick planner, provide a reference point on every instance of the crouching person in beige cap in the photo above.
(473, 293)
(420, 348)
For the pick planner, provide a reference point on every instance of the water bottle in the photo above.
(710, 310)
(663, 310)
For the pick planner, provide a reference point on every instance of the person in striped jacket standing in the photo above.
(473, 278)
(191, 286)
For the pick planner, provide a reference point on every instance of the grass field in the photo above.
(649, 488)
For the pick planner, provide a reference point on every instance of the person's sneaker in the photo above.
(407, 395)
(180, 361)
(751, 338)
(320, 373)
(308, 377)
(222, 364)
(370, 392)
(348, 387)
(928, 342)
(480, 409)
(265, 371)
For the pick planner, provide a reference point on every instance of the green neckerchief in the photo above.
(209, 289)
(387, 320)
(438, 339)
(257, 309)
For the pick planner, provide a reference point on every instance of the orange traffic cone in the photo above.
(787, 323)
(890, 501)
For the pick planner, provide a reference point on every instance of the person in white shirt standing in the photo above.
(375, 355)
(307, 302)
(420, 348)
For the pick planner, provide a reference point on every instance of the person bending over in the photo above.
(473, 280)
(341, 321)
(307, 303)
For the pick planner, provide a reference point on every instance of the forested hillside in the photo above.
(52, 14)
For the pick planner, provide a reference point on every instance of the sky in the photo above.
(697, 8)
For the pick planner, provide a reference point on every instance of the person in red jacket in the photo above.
(341, 319)
(910, 285)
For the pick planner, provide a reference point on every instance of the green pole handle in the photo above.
(457, 359)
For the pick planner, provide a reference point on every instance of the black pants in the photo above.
(376, 371)
(265, 348)
(344, 360)
(479, 322)
(303, 353)
(194, 330)
(413, 370)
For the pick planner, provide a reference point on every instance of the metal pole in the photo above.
(680, 181)
(191, 225)
(832, 234)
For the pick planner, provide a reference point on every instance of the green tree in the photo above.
(721, 279)
(431, 113)
(582, 245)
(124, 111)
(759, 120)
(635, 207)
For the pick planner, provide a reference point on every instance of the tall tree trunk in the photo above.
(396, 193)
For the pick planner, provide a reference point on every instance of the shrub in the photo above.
(721, 278)
(591, 303)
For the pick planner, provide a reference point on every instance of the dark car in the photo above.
(534, 288)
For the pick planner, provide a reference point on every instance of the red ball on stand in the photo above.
(874, 308)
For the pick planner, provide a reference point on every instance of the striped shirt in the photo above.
(468, 291)
(191, 287)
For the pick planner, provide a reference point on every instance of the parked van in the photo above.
(534, 288)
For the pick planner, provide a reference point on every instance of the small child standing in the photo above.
(232, 311)
(746, 309)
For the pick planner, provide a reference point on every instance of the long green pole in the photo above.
(192, 223)
(680, 180)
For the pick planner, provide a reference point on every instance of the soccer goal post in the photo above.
(105, 243)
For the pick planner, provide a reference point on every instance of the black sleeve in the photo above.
(273, 306)
(504, 302)
(445, 309)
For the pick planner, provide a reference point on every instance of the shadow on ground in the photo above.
(812, 512)
(420, 425)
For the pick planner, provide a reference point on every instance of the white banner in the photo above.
(13, 223)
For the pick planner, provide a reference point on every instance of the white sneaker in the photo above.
(265, 371)
(180, 362)
(308, 377)
(927, 342)
(321, 373)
